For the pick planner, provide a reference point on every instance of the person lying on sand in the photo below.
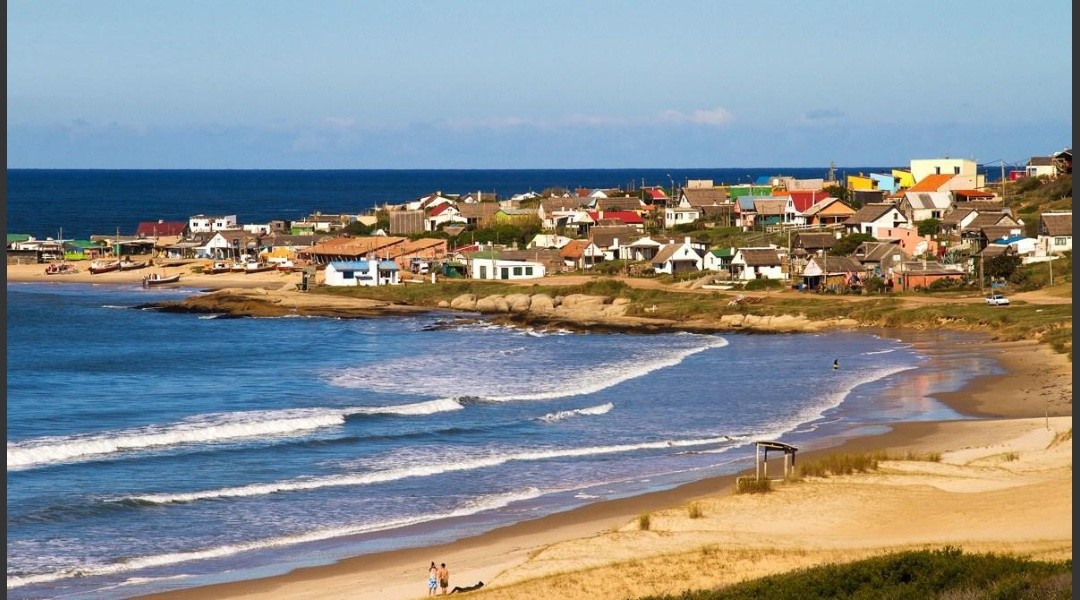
(468, 588)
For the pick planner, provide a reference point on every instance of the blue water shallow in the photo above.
(151, 450)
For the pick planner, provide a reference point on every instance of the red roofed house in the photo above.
(443, 213)
(627, 217)
(798, 202)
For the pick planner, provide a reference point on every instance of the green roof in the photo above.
(17, 237)
(722, 252)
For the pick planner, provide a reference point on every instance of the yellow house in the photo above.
(904, 179)
(859, 182)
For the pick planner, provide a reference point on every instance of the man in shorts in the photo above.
(444, 577)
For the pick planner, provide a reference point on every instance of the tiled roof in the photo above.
(931, 183)
(574, 249)
(928, 200)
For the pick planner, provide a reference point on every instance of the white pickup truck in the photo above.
(997, 300)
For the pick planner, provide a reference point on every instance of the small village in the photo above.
(934, 225)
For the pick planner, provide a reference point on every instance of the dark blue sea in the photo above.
(149, 451)
(79, 203)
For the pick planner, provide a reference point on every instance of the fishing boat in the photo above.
(219, 267)
(130, 265)
(98, 267)
(253, 267)
(61, 269)
(155, 279)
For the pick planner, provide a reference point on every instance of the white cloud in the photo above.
(712, 116)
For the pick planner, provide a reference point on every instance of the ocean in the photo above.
(150, 451)
(76, 204)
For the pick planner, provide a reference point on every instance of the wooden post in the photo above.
(757, 462)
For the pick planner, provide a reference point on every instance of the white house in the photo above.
(1041, 166)
(873, 217)
(678, 215)
(719, 259)
(920, 206)
(487, 265)
(444, 212)
(362, 272)
(678, 257)
(921, 167)
(643, 249)
(1055, 233)
(757, 263)
(207, 224)
(548, 240)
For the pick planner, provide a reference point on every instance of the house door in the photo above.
(483, 272)
(505, 273)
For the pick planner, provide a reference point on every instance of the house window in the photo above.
(937, 170)
(1061, 241)
(517, 271)
(528, 271)
(935, 214)
(956, 170)
(348, 274)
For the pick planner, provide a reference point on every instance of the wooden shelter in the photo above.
(761, 458)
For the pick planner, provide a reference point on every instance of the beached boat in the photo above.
(61, 269)
(218, 267)
(130, 265)
(97, 267)
(155, 279)
(252, 267)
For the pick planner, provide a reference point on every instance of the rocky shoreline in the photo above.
(573, 312)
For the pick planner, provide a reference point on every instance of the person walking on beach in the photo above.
(444, 577)
(432, 578)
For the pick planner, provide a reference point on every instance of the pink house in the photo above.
(910, 241)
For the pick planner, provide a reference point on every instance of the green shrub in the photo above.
(945, 574)
(750, 485)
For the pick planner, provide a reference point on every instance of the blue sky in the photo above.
(544, 84)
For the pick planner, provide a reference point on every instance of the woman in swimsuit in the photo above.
(432, 581)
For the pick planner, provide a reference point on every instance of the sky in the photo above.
(487, 84)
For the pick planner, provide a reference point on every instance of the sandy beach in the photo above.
(1003, 484)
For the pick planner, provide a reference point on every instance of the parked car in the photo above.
(997, 300)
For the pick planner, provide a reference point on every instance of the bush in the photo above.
(944, 574)
(694, 510)
(750, 485)
(764, 284)
(644, 521)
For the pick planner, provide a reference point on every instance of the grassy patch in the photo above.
(1061, 437)
(644, 521)
(693, 510)
(749, 485)
(946, 574)
(859, 462)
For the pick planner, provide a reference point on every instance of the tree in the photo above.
(929, 226)
(838, 191)
(1002, 265)
(847, 244)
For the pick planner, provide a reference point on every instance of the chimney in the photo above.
(686, 240)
